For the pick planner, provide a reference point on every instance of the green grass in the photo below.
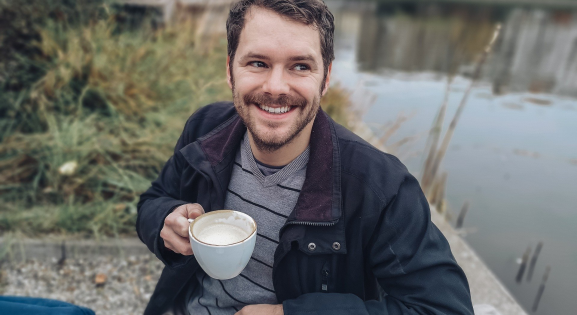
(108, 99)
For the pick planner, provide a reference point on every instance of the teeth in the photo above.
(278, 110)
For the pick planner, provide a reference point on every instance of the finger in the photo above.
(183, 250)
(165, 235)
(193, 210)
(176, 243)
(180, 226)
(188, 211)
(178, 222)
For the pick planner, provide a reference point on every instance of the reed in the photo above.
(462, 215)
(534, 261)
(436, 154)
(523, 265)
(541, 289)
(337, 103)
(432, 143)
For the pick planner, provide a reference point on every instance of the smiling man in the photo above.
(339, 222)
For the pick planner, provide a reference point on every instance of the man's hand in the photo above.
(261, 309)
(175, 229)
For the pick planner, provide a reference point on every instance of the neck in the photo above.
(285, 154)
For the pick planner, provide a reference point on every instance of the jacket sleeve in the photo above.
(158, 202)
(412, 262)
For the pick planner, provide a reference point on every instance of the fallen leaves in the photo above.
(100, 279)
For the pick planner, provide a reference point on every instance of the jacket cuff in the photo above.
(325, 304)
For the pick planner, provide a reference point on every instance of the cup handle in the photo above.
(190, 220)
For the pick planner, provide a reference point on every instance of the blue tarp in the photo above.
(18, 305)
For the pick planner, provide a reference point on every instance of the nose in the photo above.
(276, 82)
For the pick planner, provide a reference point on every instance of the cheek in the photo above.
(308, 89)
(248, 80)
(312, 84)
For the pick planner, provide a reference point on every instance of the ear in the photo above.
(228, 77)
(328, 80)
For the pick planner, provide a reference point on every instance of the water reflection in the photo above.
(537, 50)
(513, 155)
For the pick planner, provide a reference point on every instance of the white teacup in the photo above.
(222, 242)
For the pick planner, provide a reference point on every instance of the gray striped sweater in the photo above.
(269, 200)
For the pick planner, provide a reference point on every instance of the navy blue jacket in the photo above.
(365, 214)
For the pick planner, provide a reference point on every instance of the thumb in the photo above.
(193, 210)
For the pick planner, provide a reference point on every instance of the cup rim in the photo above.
(216, 212)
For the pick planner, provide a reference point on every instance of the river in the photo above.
(513, 156)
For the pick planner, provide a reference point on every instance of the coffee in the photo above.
(222, 234)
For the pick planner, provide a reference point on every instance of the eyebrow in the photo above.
(251, 55)
(308, 58)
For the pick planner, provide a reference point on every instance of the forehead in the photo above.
(267, 32)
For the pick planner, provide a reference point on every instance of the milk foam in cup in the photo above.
(222, 234)
(222, 242)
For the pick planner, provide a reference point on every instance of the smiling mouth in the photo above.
(275, 110)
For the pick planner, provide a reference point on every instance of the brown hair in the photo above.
(308, 12)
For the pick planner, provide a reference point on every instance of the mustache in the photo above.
(268, 100)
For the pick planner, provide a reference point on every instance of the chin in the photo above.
(272, 137)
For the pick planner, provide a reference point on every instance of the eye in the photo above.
(301, 67)
(257, 64)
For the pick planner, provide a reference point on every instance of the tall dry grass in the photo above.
(86, 138)
(432, 181)
(95, 111)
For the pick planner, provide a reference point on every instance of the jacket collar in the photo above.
(320, 198)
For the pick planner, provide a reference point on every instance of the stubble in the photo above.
(271, 142)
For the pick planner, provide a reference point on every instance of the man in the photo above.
(337, 218)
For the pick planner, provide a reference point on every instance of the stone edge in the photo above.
(18, 249)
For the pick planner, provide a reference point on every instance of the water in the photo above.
(513, 155)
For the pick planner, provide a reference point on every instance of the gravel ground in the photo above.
(106, 284)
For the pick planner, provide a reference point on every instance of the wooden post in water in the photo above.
(541, 289)
(462, 215)
(534, 261)
(523, 266)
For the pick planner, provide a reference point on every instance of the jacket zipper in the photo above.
(325, 278)
(312, 223)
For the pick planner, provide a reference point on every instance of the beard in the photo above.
(270, 141)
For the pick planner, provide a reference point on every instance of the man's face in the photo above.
(277, 77)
